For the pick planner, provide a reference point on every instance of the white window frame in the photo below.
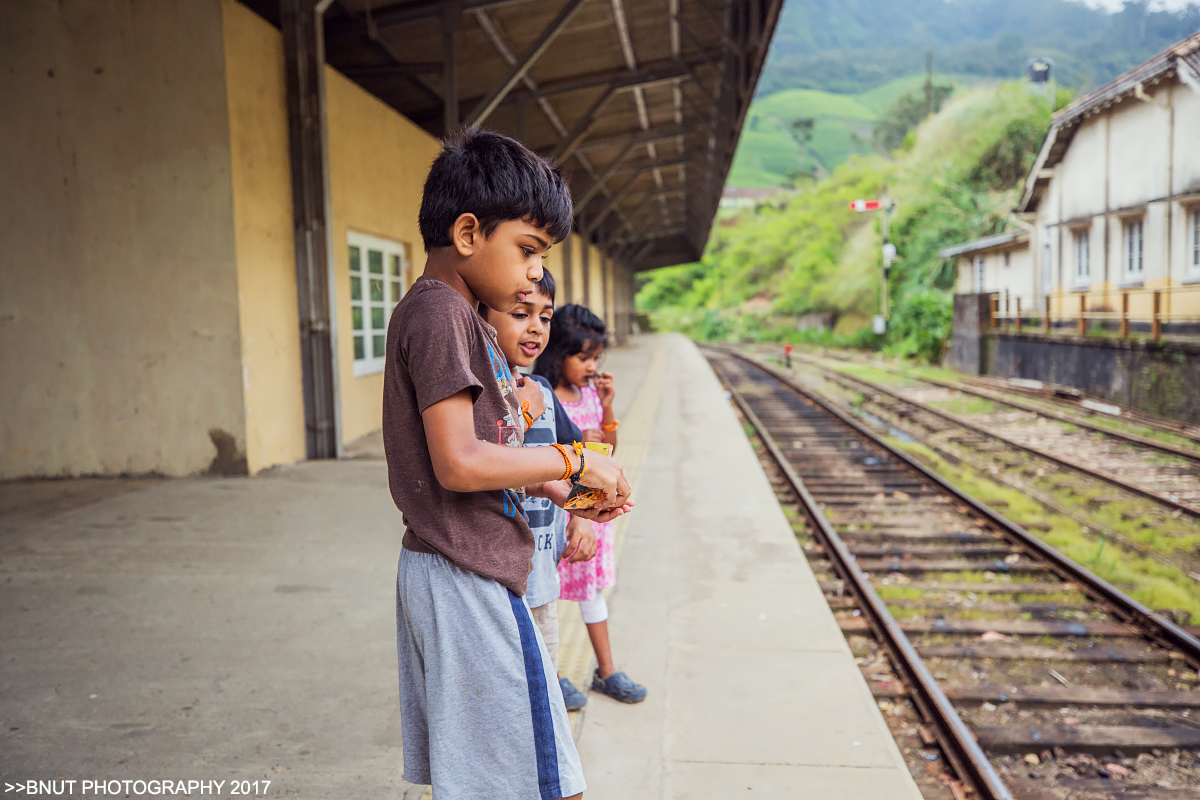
(1081, 246)
(1193, 250)
(367, 337)
(978, 265)
(1133, 242)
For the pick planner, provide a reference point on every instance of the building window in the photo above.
(1194, 239)
(1132, 248)
(1082, 265)
(978, 273)
(378, 275)
(1007, 258)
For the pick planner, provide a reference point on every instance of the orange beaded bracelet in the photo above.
(570, 467)
(609, 427)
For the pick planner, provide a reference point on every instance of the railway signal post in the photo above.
(887, 206)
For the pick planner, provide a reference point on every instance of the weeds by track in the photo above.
(1033, 677)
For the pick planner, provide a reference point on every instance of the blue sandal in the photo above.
(574, 698)
(619, 687)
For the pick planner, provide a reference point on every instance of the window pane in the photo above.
(355, 263)
(356, 317)
(395, 266)
(355, 288)
(377, 345)
(359, 355)
(375, 261)
(377, 318)
(376, 290)
(395, 291)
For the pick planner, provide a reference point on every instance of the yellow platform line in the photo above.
(575, 658)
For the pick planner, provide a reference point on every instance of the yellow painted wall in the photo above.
(577, 282)
(266, 265)
(377, 163)
(119, 342)
(595, 282)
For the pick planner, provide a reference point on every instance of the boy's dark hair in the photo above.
(495, 178)
(545, 286)
(575, 330)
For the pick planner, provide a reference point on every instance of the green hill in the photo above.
(769, 152)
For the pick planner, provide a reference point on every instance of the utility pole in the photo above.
(929, 83)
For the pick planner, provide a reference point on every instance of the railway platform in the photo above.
(753, 690)
(242, 628)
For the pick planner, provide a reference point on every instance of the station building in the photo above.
(1111, 207)
(211, 205)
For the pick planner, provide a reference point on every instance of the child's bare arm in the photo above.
(606, 390)
(463, 463)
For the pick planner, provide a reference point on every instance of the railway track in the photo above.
(1127, 468)
(1034, 677)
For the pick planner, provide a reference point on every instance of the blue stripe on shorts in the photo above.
(539, 703)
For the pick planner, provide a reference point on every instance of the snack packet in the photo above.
(584, 496)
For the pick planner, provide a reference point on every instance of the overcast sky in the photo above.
(1114, 5)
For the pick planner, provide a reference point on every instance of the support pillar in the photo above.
(304, 61)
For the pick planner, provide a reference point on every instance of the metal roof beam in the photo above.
(637, 137)
(539, 46)
(583, 127)
(402, 14)
(602, 179)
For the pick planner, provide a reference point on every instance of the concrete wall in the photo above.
(377, 163)
(972, 321)
(119, 326)
(1162, 378)
(266, 261)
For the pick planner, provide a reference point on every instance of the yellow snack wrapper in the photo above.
(584, 496)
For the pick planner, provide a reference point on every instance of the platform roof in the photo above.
(641, 102)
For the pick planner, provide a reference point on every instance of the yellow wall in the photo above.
(266, 265)
(377, 164)
(576, 268)
(119, 343)
(595, 282)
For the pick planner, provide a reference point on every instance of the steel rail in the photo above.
(955, 738)
(1154, 625)
(995, 395)
(971, 426)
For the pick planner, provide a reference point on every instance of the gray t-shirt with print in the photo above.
(547, 521)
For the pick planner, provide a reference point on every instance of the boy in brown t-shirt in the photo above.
(481, 710)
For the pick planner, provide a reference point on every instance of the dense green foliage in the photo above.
(807, 260)
(849, 46)
(906, 114)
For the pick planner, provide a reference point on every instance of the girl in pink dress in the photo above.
(571, 363)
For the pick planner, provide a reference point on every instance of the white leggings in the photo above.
(594, 610)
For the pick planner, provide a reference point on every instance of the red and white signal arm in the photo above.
(865, 205)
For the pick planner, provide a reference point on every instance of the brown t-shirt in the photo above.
(437, 345)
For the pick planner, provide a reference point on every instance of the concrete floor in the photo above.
(753, 689)
(214, 629)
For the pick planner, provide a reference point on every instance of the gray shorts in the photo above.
(546, 619)
(480, 705)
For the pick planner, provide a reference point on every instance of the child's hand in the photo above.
(604, 473)
(603, 515)
(581, 541)
(606, 389)
(593, 435)
(528, 391)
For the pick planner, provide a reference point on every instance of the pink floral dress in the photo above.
(584, 580)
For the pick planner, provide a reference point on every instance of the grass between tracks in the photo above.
(896, 372)
(1157, 585)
